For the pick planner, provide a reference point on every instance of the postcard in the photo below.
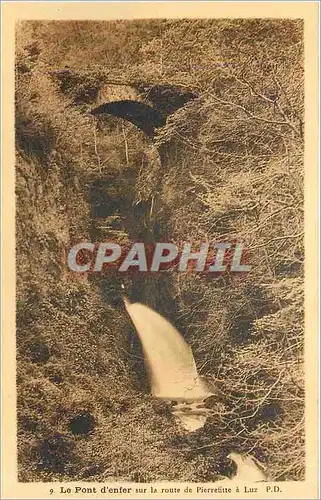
(160, 250)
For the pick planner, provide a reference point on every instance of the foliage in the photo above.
(227, 166)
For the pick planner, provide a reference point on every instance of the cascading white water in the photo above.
(171, 365)
(173, 376)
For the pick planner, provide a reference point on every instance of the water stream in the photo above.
(171, 366)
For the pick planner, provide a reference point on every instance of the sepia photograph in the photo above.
(160, 254)
(159, 131)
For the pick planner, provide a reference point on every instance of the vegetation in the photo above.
(227, 166)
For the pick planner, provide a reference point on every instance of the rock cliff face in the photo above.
(225, 165)
(84, 408)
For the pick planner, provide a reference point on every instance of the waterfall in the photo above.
(171, 366)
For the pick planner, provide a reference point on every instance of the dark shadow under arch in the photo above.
(140, 114)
